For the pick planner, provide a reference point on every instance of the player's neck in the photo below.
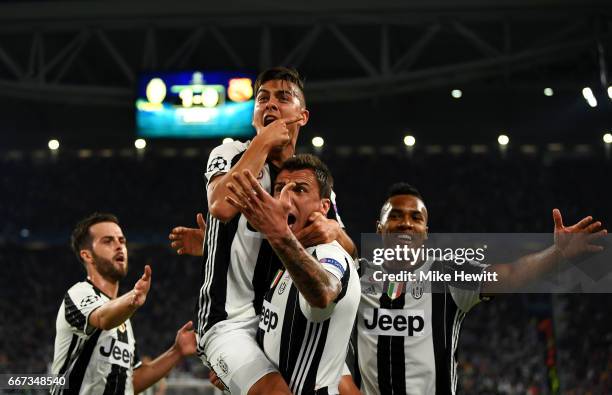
(108, 286)
(279, 157)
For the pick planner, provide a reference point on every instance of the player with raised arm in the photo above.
(408, 331)
(238, 262)
(309, 310)
(94, 343)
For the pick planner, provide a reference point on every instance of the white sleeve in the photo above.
(345, 370)
(468, 296)
(220, 158)
(334, 209)
(334, 260)
(79, 302)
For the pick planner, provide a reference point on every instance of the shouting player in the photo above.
(94, 344)
(309, 310)
(238, 262)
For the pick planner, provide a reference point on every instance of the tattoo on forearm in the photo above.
(310, 278)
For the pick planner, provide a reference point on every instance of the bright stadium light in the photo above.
(140, 144)
(607, 138)
(588, 95)
(610, 92)
(410, 141)
(502, 139)
(318, 141)
(548, 92)
(227, 140)
(456, 93)
(53, 144)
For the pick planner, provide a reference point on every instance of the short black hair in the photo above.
(284, 74)
(400, 188)
(81, 237)
(322, 173)
(403, 188)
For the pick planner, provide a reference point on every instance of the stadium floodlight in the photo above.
(502, 139)
(456, 93)
(607, 138)
(610, 92)
(548, 92)
(588, 95)
(410, 141)
(592, 101)
(318, 141)
(140, 144)
(53, 144)
(227, 140)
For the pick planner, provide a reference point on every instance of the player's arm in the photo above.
(274, 135)
(318, 286)
(570, 242)
(347, 386)
(115, 312)
(149, 373)
(347, 243)
(268, 215)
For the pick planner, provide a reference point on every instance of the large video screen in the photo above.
(196, 104)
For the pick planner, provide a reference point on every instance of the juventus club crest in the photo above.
(417, 289)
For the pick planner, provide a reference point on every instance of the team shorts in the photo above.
(231, 351)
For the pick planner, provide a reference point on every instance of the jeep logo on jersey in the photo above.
(394, 322)
(116, 352)
(269, 317)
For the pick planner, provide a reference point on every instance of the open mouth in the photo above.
(291, 220)
(404, 237)
(119, 258)
(268, 119)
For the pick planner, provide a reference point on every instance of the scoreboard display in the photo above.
(195, 104)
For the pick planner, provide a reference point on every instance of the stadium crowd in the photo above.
(501, 349)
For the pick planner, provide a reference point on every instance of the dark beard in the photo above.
(107, 270)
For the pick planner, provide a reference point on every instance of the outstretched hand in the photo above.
(577, 240)
(141, 288)
(265, 213)
(189, 241)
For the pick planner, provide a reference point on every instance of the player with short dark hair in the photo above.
(239, 262)
(309, 309)
(407, 332)
(94, 343)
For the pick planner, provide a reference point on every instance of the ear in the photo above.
(86, 256)
(378, 227)
(305, 117)
(325, 205)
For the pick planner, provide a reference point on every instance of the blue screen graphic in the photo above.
(195, 105)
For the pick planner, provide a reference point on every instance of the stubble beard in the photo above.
(107, 269)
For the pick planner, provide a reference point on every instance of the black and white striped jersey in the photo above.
(95, 361)
(407, 333)
(308, 345)
(239, 263)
